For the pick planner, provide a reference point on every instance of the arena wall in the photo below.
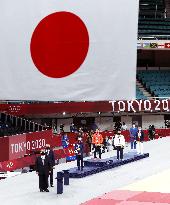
(67, 122)
(106, 123)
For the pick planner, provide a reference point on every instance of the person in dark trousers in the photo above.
(79, 150)
(89, 141)
(49, 152)
(133, 131)
(43, 168)
(105, 144)
(119, 142)
(151, 132)
(118, 125)
(140, 140)
(97, 141)
(72, 127)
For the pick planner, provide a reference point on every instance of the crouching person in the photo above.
(43, 169)
(119, 143)
(79, 150)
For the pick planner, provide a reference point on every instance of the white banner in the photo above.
(68, 49)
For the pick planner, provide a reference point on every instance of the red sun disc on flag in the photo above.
(59, 44)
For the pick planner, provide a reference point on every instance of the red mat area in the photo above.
(102, 202)
(139, 203)
(155, 197)
(120, 197)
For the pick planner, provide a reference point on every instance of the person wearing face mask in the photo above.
(140, 139)
(119, 143)
(49, 152)
(43, 168)
(133, 132)
(97, 141)
(79, 150)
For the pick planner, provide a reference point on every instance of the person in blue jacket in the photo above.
(79, 150)
(65, 140)
(133, 133)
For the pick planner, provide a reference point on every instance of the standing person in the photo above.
(62, 128)
(124, 126)
(105, 144)
(150, 132)
(133, 132)
(43, 168)
(80, 135)
(140, 139)
(109, 144)
(65, 140)
(72, 129)
(50, 153)
(119, 142)
(97, 141)
(79, 150)
(153, 131)
(89, 141)
(118, 125)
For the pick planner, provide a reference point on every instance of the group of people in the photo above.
(44, 166)
(46, 161)
(120, 126)
(136, 135)
(96, 142)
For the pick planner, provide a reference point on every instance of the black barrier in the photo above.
(59, 182)
(66, 177)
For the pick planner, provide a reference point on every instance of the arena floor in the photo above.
(151, 174)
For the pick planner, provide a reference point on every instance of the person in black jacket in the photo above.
(151, 132)
(89, 142)
(79, 149)
(43, 168)
(50, 153)
(140, 140)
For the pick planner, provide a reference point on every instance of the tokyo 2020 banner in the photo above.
(17, 146)
(77, 107)
(141, 105)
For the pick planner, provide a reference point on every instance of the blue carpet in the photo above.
(94, 166)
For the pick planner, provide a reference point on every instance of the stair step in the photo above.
(142, 89)
(147, 95)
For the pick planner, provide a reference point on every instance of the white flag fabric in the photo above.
(91, 55)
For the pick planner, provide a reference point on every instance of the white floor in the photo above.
(23, 189)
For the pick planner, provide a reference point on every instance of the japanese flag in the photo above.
(66, 50)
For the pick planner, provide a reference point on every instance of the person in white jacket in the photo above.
(119, 143)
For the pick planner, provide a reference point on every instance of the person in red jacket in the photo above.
(97, 141)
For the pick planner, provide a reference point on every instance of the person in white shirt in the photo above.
(119, 143)
(109, 143)
(140, 140)
(124, 126)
